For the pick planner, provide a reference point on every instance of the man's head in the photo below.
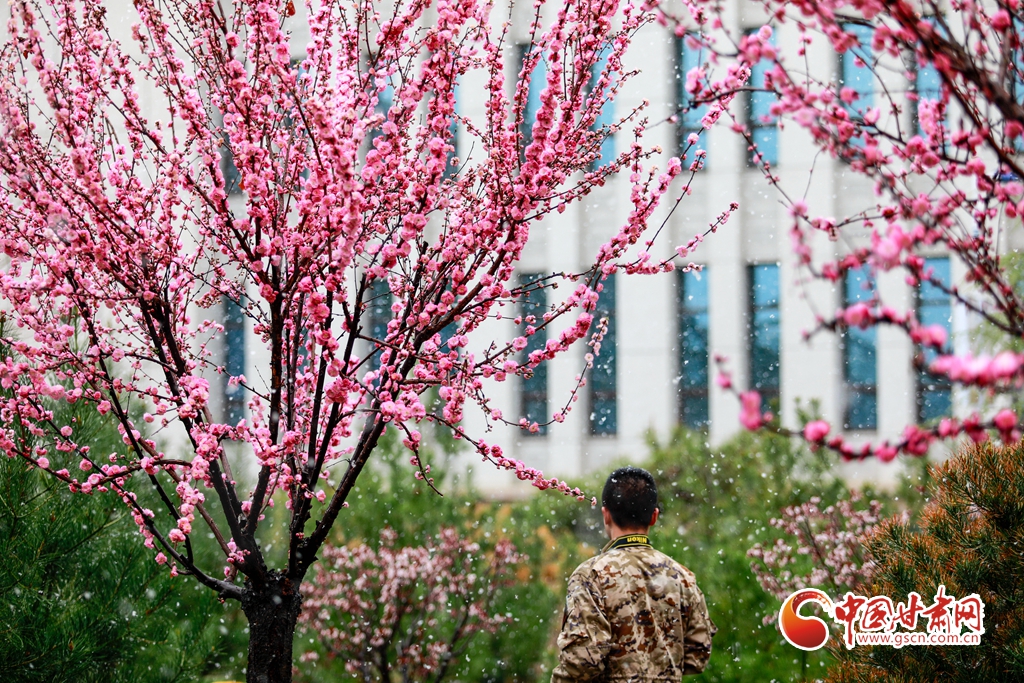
(629, 500)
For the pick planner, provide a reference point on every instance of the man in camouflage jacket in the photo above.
(631, 612)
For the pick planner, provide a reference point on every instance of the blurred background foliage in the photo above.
(140, 624)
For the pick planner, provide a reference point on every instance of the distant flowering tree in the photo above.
(829, 543)
(405, 613)
(930, 109)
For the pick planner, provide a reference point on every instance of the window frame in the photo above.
(234, 358)
(925, 381)
(688, 391)
(534, 389)
(606, 363)
(771, 394)
(853, 388)
(688, 118)
(755, 124)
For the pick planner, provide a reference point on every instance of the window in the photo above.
(927, 83)
(856, 74)
(603, 413)
(928, 86)
(377, 312)
(764, 331)
(606, 117)
(856, 69)
(860, 376)
(384, 100)
(234, 359)
(934, 393)
(453, 138)
(538, 81)
(763, 125)
(1017, 70)
(232, 176)
(693, 348)
(690, 54)
(534, 389)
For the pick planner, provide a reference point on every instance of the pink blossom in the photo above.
(1005, 420)
(858, 315)
(750, 412)
(816, 430)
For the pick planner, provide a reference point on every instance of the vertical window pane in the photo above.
(859, 364)
(691, 56)
(453, 139)
(928, 86)
(693, 349)
(534, 389)
(234, 359)
(377, 312)
(538, 81)
(384, 99)
(856, 69)
(603, 413)
(607, 115)
(763, 126)
(232, 176)
(934, 393)
(1017, 77)
(765, 346)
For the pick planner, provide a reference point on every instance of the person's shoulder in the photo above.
(588, 567)
(672, 565)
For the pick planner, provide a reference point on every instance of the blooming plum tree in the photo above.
(831, 540)
(242, 153)
(411, 610)
(931, 111)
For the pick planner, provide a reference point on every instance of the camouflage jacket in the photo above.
(633, 614)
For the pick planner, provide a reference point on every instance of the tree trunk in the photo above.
(272, 611)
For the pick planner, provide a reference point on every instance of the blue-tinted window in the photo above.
(928, 86)
(385, 98)
(763, 125)
(234, 360)
(860, 376)
(693, 349)
(538, 81)
(377, 314)
(765, 340)
(607, 115)
(453, 138)
(533, 397)
(691, 55)
(856, 68)
(934, 393)
(1017, 78)
(232, 176)
(604, 417)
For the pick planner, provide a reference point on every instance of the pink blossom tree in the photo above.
(125, 238)
(932, 114)
(828, 543)
(410, 611)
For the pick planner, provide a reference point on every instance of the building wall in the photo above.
(648, 344)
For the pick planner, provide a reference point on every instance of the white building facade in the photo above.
(750, 303)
